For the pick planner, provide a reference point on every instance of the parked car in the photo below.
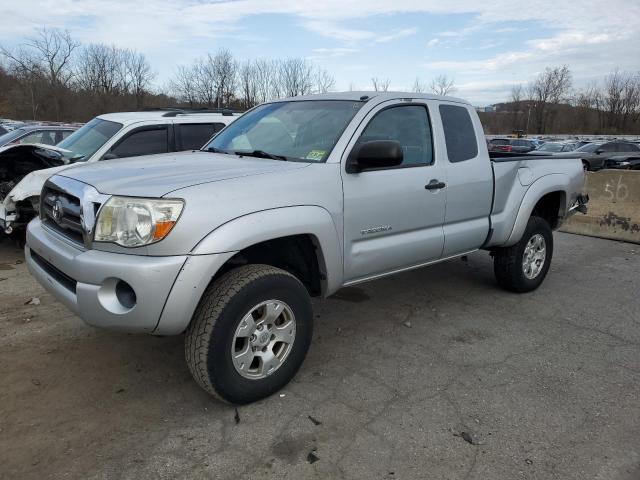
(522, 145)
(499, 145)
(596, 155)
(554, 147)
(42, 134)
(297, 198)
(106, 137)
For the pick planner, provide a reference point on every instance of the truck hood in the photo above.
(159, 175)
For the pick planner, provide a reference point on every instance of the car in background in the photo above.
(499, 145)
(599, 155)
(24, 168)
(42, 134)
(555, 147)
(522, 145)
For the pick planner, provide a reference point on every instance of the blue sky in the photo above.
(486, 47)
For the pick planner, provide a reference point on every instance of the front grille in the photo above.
(61, 277)
(61, 212)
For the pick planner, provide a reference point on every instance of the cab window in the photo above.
(409, 125)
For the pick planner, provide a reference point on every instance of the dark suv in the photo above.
(599, 155)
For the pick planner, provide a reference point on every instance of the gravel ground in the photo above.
(434, 373)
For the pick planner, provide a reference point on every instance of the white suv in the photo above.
(109, 136)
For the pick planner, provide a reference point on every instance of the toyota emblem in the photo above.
(56, 211)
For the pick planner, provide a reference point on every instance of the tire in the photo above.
(508, 263)
(221, 332)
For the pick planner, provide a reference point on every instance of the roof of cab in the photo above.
(368, 95)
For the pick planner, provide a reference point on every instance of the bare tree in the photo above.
(380, 85)
(517, 106)
(138, 75)
(324, 81)
(418, 86)
(224, 69)
(183, 85)
(294, 77)
(248, 79)
(546, 91)
(47, 55)
(442, 85)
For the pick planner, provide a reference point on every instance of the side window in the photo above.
(193, 136)
(409, 125)
(608, 147)
(62, 134)
(141, 142)
(43, 136)
(627, 147)
(459, 134)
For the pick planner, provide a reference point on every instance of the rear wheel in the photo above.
(523, 267)
(249, 334)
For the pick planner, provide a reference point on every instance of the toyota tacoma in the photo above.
(295, 199)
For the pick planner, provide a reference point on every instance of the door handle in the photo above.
(435, 185)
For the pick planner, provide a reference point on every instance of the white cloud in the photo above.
(405, 32)
(319, 53)
(592, 36)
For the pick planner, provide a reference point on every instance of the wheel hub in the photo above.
(263, 339)
(534, 256)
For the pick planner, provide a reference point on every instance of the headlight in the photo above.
(133, 222)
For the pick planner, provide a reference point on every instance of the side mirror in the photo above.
(109, 156)
(599, 151)
(374, 154)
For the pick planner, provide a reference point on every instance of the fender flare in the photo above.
(548, 184)
(247, 230)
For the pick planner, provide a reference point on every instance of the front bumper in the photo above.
(167, 289)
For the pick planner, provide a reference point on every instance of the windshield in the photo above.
(298, 130)
(11, 136)
(589, 148)
(551, 147)
(86, 141)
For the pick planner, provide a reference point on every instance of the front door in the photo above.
(393, 217)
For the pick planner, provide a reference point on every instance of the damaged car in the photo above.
(25, 168)
(17, 162)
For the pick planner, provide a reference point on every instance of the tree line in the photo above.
(51, 76)
(550, 104)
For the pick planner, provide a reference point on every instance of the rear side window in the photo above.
(608, 147)
(409, 125)
(627, 147)
(193, 136)
(142, 142)
(459, 133)
(47, 137)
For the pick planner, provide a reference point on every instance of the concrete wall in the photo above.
(614, 206)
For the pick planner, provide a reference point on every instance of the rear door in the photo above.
(391, 221)
(469, 180)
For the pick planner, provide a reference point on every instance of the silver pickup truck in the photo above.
(295, 199)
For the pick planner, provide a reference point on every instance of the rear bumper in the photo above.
(89, 283)
(580, 205)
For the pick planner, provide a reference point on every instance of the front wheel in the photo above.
(522, 267)
(249, 334)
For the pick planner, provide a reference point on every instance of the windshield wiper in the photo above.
(217, 150)
(261, 154)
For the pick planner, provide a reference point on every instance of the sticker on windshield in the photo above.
(315, 155)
